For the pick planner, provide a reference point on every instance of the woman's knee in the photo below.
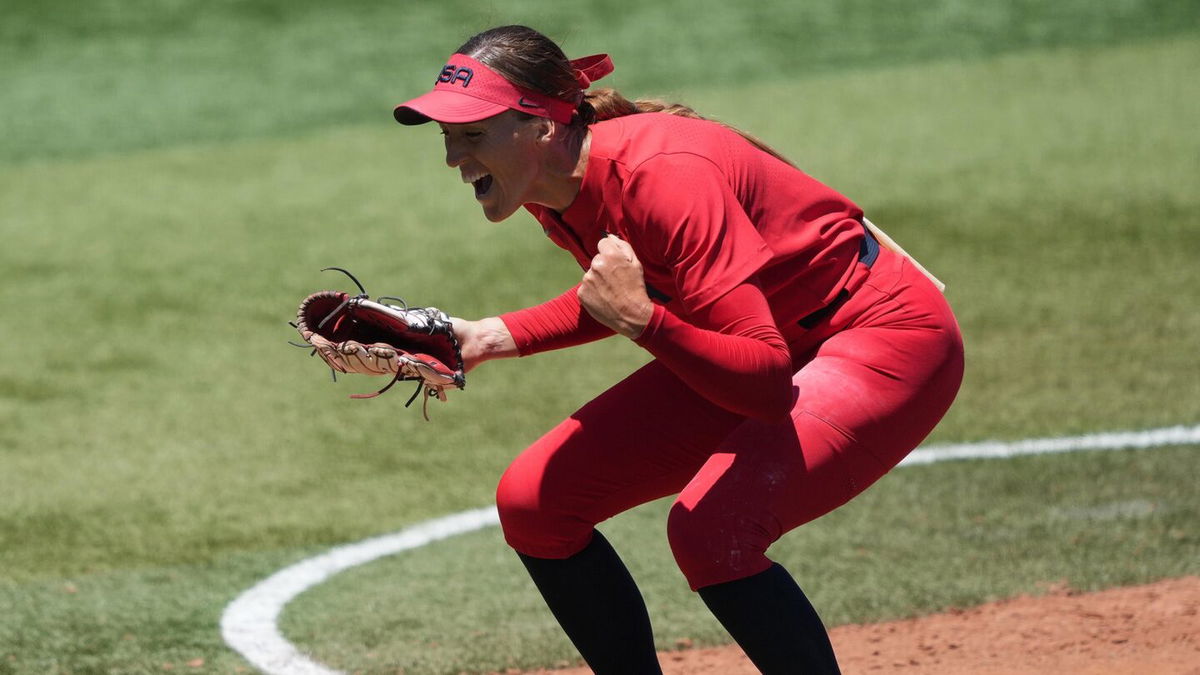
(533, 517)
(716, 547)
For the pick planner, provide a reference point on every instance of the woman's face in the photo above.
(500, 157)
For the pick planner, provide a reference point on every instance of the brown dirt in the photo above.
(1148, 630)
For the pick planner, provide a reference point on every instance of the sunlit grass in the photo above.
(162, 448)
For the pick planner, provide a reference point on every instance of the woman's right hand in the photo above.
(483, 340)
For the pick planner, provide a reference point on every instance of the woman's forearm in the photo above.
(554, 324)
(749, 374)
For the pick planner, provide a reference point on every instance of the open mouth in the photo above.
(482, 186)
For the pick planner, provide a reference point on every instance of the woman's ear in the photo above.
(546, 129)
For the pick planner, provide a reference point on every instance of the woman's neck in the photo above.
(565, 167)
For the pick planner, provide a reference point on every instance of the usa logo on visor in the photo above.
(453, 74)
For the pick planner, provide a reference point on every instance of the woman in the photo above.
(796, 361)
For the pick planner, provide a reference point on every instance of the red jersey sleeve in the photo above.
(738, 360)
(684, 216)
(555, 324)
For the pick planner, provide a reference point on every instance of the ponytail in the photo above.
(528, 59)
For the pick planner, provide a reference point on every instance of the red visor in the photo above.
(468, 91)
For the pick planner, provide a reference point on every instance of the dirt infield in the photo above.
(1149, 630)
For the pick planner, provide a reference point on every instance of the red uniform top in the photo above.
(712, 219)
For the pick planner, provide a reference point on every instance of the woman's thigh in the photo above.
(643, 439)
(865, 397)
(853, 421)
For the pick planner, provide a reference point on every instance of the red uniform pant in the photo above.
(872, 379)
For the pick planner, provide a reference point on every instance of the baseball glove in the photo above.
(354, 334)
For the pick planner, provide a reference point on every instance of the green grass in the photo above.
(950, 535)
(112, 75)
(168, 449)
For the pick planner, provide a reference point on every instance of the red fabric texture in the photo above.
(555, 324)
(744, 366)
(870, 382)
(704, 210)
(741, 363)
(757, 422)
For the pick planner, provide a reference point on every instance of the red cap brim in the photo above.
(445, 106)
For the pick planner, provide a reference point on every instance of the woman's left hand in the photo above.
(613, 289)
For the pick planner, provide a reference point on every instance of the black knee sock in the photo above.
(600, 607)
(773, 623)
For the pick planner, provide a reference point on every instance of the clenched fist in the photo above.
(613, 289)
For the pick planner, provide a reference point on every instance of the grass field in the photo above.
(173, 176)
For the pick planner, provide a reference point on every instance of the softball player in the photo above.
(795, 360)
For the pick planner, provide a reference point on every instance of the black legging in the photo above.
(601, 610)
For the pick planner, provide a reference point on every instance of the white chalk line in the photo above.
(249, 623)
(1118, 440)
